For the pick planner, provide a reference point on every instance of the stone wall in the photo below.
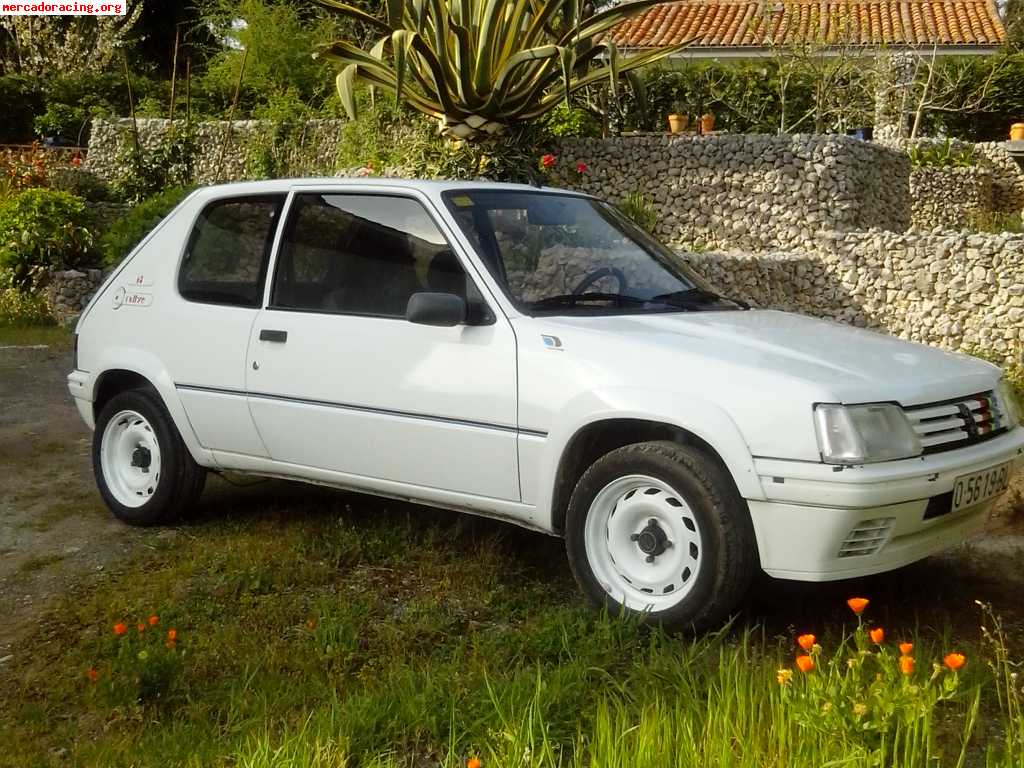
(949, 197)
(748, 191)
(69, 291)
(954, 289)
(225, 151)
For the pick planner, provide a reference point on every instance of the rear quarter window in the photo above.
(225, 261)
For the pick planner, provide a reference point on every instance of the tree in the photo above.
(480, 66)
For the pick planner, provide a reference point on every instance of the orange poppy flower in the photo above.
(877, 635)
(805, 663)
(858, 604)
(473, 762)
(906, 648)
(93, 675)
(120, 628)
(154, 620)
(141, 627)
(907, 665)
(172, 635)
(954, 660)
(806, 641)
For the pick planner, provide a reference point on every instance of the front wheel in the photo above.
(144, 472)
(658, 529)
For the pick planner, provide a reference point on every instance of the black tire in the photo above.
(180, 481)
(729, 551)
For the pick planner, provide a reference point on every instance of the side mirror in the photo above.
(444, 309)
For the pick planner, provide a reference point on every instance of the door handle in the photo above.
(279, 336)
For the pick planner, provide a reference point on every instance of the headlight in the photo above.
(860, 434)
(1009, 404)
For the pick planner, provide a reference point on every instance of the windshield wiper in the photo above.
(695, 297)
(572, 299)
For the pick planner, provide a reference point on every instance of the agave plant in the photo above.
(479, 66)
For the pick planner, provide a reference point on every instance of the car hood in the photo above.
(837, 363)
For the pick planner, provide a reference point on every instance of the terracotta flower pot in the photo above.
(678, 123)
(1017, 132)
(707, 123)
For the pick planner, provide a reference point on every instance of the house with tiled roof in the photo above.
(751, 28)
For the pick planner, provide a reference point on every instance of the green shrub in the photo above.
(145, 174)
(943, 154)
(21, 307)
(60, 120)
(80, 182)
(130, 229)
(43, 228)
(639, 209)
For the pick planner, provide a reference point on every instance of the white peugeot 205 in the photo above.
(530, 355)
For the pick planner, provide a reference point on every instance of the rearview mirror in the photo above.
(443, 309)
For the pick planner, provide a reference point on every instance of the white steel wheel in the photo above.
(643, 543)
(130, 458)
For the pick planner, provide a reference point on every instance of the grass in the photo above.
(31, 335)
(320, 629)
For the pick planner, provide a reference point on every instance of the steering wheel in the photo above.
(593, 276)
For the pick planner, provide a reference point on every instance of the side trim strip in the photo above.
(365, 409)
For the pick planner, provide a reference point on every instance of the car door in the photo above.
(339, 380)
(208, 321)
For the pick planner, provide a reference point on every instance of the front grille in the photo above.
(956, 423)
(867, 537)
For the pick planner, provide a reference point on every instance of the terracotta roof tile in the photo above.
(760, 23)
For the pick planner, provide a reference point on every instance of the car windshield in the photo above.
(560, 254)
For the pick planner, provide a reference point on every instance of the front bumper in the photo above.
(80, 387)
(812, 510)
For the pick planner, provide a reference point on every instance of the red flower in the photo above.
(805, 663)
(154, 620)
(120, 628)
(877, 635)
(93, 675)
(172, 635)
(141, 627)
(547, 160)
(581, 167)
(806, 641)
(473, 762)
(858, 604)
(907, 665)
(76, 160)
(906, 649)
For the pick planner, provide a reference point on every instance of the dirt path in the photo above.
(55, 533)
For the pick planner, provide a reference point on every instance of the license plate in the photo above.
(979, 487)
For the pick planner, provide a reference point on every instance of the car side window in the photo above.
(228, 250)
(364, 255)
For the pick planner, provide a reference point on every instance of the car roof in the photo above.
(430, 187)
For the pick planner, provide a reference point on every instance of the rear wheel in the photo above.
(144, 472)
(658, 529)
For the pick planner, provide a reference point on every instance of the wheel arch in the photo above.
(117, 377)
(598, 438)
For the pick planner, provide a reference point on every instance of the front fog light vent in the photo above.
(867, 537)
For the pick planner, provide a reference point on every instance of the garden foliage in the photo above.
(128, 231)
(40, 229)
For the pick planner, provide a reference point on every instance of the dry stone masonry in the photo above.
(956, 290)
(225, 151)
(949, 197)
(69, 291)
(814, 224)
(747, 191)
